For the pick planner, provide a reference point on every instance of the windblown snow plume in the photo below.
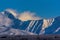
(13, 12)
(28, 16)
(24, 16)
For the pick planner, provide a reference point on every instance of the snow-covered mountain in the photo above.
(29, 27)
(55, 27)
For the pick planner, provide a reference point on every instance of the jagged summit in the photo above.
(11, 11)
(29, 23)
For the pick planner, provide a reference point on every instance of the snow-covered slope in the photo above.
(12, 31)
(29, 27)
(52, 29)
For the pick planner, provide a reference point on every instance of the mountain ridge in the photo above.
(42, 26)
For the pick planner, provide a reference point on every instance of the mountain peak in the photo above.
(13, 12)
(24, 16)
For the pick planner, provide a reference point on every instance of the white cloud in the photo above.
(28, 16)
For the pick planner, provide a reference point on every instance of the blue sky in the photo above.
(43, 8)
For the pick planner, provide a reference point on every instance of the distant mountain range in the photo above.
(29, 27)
